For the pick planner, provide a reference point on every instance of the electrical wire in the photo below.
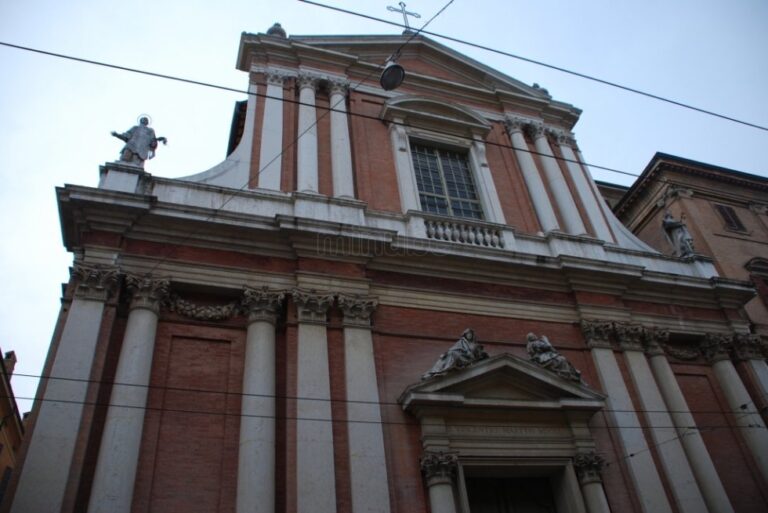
(298, 102)
(413, 422)
(228, 394)
(550, 66)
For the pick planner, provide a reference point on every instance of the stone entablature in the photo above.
(267, 210)
(712, 347)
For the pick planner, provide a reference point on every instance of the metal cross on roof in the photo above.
(404, 13)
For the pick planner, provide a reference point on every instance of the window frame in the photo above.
(439, 152)
(730, 218)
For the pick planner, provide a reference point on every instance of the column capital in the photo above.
(439, 467)
(275, 77)
(147, 292)
(655, 340)
(588, 466)
(536, 130)
(307, 80)
(629, 336)
(338, 86)
(262, 304)
(716, 347)
(597, 333)
(357, 309)
(748, 347)
(312, 306)
(95, 282)
(517, 123)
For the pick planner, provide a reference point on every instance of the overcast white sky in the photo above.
(56, 115)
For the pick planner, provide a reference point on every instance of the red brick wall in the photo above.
(188, 459)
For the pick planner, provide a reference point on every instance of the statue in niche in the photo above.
(140, 143)
(464, 352)
(542, 353)
(679, 235)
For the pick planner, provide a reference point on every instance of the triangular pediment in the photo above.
(504, 381)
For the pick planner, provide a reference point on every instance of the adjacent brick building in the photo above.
(402, 301)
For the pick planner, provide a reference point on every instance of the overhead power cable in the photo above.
(227, 394)
(224, 413)
(550, 66)
(298, 102)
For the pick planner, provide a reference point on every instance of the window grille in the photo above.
(445, 182)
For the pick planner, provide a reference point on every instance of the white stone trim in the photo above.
(406, 178)
(306, 152)
(341, 149)
(486, 188)
(271, 149)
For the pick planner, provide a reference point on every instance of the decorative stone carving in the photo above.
(147, 292)
(679, 236)
(307, 80)
(357, 309)
(439, 466)
(201, 312)
(401, 137)
(312, 306)
(338, 86)
(654, 341)
(715, 347)
(262, 304)
(682, 352)
(748, 347)
(536, 130)
(542, 353)
(630, 336)
(516, 124)
(758, 208)
(463, 353)
(588, 467)
(275, 77)
(94, 282)
(597, 333)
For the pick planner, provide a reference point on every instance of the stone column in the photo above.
(701, 464)
(440, 473)
(45, 473)
(112, 490)
(406, 179)
(307, 136)
(270, 153)
(588, 467)
(569, 213)
(485, 184)
(533, 181)
(367, 459)
(716, 348)
(752, 350)
(583, 189)
(256, 454)
(621, 413)
(341, 150)
(671, 454)
(315, 478)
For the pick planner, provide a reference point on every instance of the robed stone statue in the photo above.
(464, 352)
(543, 353)
(140, 143)
(679, 235)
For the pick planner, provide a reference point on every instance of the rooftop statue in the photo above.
(679, 235)
(140, 143)
(541, 352)
(464, 352)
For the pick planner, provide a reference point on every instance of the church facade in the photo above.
(387, 301)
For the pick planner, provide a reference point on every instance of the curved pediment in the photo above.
(501, 382)
(424, 112)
